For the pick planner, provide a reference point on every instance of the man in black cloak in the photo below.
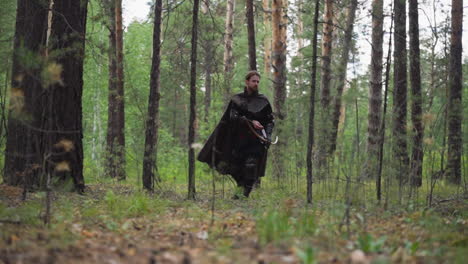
(238, 145)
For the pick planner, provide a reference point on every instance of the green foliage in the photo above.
(273, 226)
(279, 225)
(27, 213)
(367, 243)
(307, 256)
(134, 205)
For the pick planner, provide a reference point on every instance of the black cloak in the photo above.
(227, 134)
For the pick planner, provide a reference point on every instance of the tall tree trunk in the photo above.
(279, 83)
(342, 68)
(150, 167)
(416, 96)
(228, 59)
(310, 143)
(115, 122)
(208, 82)
(112, 94)
(375, 90)
(326, 55)
(455, 106)
(327, 40)
(193, 101)
(22, 155)
(251, 35)
(63, 118)
(267, 39)
(400, 93)
(209, 56)
(120, 126)
(381, 130)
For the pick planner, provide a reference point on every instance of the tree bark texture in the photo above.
(210, 51)
(228, 58)
(63, 118)
(23, 156)
(381, 138)
(342, 68)
(150, 168)
(120, 106)
(251, 35)
(267, 39)
(400, 93)
(375, 90)
(112, 93)
(325, 124)
(326, 55)
(279, 83)
(455, 104)
(115, 122)
(310, 142)
(193, 101)
(416, 96)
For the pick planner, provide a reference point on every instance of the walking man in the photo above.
(238, 146)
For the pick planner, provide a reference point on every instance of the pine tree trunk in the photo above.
(193, 101)
(22, 155)
(120, 106)
(64, 107)
(112, 94)
(310, 143)
(251, 35)
(115, 164)
(279, 84)
(228, 60)
(375, 90)
(416, 96)
(327, 39)
(326, 56)
(267, 39)
(455, 106)
(342, 68)
(150, 168)
(400, 93)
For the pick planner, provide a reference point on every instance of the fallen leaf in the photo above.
(87, 234)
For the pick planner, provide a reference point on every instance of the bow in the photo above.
(263, 138)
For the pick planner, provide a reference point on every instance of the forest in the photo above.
(103, 118)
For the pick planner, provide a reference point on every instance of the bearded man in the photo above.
(239, 144)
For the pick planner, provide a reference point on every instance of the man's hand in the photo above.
(257, 124)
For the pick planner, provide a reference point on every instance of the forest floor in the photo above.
(115, 223)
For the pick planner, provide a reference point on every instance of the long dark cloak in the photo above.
(218, 150)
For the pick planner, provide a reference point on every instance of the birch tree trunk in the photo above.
(228, 60)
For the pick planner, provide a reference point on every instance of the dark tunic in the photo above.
(232, 140)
